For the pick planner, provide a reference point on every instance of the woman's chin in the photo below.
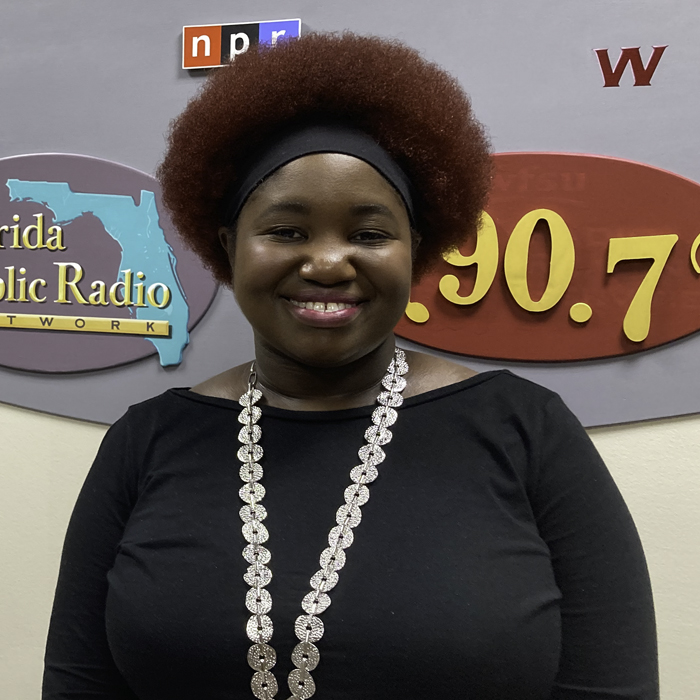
(327, 350)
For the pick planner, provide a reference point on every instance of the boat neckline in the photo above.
(343, 413)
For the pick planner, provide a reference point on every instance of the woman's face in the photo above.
(322, 260)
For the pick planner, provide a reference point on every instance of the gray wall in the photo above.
(104, 79)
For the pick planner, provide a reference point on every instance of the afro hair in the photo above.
(415, 110)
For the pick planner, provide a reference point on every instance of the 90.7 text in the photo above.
(486, 256)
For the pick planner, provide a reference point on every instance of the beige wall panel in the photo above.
(43, 461)
(657, 467)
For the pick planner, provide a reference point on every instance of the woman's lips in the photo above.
(330, 314)
(325, 307)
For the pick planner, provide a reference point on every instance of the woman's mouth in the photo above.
(323, 307)
(324, 314)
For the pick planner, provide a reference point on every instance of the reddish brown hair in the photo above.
(413, 108)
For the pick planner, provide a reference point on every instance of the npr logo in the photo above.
(213, 45)
(642, 74)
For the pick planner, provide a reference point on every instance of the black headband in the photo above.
(329, 138)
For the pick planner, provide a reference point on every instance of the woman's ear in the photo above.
(226, 239)
(415, 242)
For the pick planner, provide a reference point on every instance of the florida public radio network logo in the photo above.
(213, 45)
(90, 260)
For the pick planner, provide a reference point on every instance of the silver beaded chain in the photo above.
(308, 627)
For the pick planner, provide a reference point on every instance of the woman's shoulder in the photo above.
(168, 408)
(219, 390)
(429, 373)
(229, 384)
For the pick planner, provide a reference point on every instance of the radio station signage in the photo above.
(213, 45)
(577, 257)
(92, 274)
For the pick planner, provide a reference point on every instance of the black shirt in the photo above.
(495, 557)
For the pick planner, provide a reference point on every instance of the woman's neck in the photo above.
(286, 383)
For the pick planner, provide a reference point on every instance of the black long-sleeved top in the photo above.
(495, 558)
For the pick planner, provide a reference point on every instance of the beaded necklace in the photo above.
(308, 627)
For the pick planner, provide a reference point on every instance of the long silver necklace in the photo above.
(308, 627)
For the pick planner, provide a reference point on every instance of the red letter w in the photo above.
(642, 75)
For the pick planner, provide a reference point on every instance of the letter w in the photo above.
(642, 75)
(45, 320)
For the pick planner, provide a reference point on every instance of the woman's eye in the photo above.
(371, 236)
(287, 233)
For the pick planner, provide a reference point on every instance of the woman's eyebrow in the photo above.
(286, 208)
(296, 207)
(364, 209)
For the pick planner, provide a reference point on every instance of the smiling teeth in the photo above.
(330, 307)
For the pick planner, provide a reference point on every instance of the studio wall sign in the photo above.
(577, 257)
(629, 56)
(92, 274)
(584, 276)
(212, 45)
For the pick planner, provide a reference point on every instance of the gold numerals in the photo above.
(486, 257)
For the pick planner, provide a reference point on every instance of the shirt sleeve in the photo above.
(608, 649)
(78, 662)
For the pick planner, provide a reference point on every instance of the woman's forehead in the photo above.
(316, 177)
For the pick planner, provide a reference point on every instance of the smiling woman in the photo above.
(323, 231)
(495, 559)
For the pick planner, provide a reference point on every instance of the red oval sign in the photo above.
(92, 274)
(577, 257)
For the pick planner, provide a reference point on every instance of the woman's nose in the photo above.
(328, 263)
